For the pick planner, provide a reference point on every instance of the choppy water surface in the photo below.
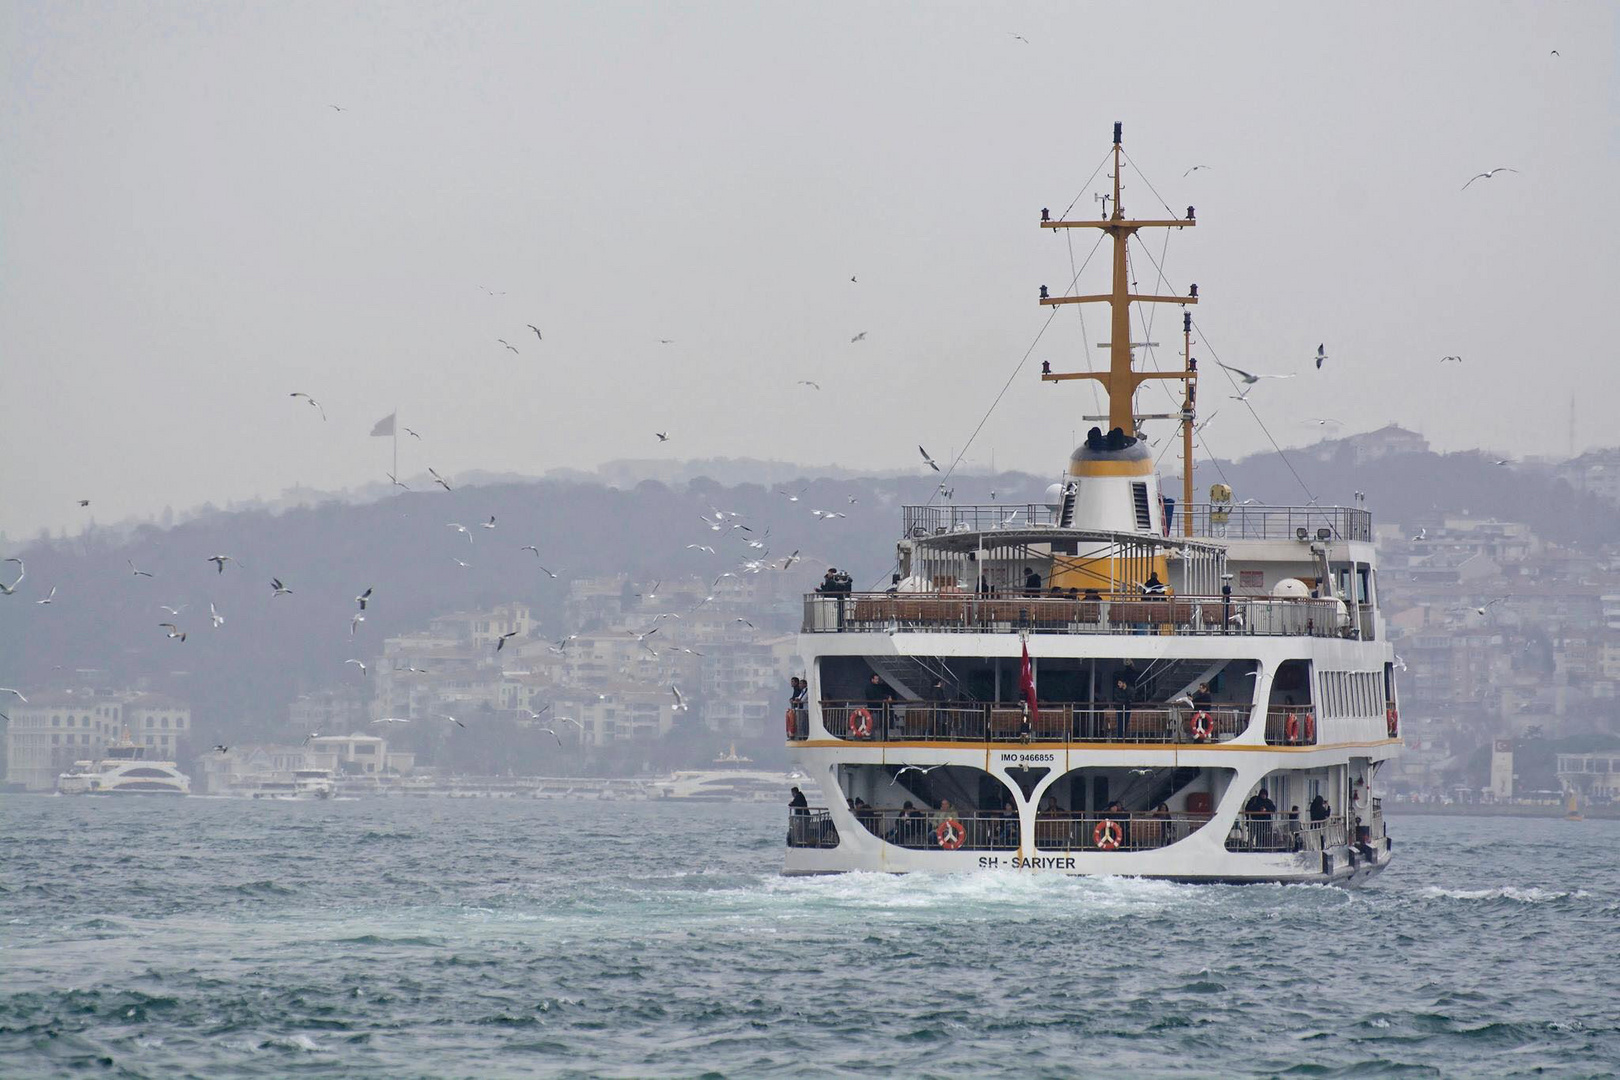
(473, 938)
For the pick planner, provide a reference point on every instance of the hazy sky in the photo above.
(191, 231)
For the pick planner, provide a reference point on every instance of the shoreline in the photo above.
(1592, 813)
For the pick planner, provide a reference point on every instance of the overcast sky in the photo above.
(192, 232)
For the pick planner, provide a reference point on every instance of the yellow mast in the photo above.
(1120, 380)
(1189, 409)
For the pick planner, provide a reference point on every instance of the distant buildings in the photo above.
(54, 729)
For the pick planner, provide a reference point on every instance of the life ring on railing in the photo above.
(1108, 834)
(1310, 728)
(860, 724)
(1203, 727)
(950, 834)
(792, 723)
(1291, 728)
(1392, 721)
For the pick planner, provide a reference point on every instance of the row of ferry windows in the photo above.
(84, 721)
(1352, 693)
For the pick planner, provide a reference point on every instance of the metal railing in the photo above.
(1116, 831)
(811, 828)
(1210, 521)
(928, 830)
(1057, 722)
(1279, 522)
(1291, 725)
(967, 613)
(920, 521)
(1278, 832)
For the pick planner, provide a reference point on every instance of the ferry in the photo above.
(1110, 682)
(124, 769)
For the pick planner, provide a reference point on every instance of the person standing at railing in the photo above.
(798, 701)
(1258, 811)
(878, 700)
(1122, 694)
(1032, 583)
(1291, 826)
(1320, 810)
(798, 817)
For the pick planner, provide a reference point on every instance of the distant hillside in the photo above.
(104, 618)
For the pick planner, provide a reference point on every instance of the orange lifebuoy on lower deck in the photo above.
(860, 724)
(1310, 728)
(1392, 721)
(950, 834)
(1291, 728)
(792, 723)
(1202, 726)
(1108, 834)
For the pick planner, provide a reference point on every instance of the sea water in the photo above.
(480, 938)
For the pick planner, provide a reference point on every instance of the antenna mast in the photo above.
(1120, 381)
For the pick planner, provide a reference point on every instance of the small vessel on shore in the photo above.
(124, 769)
(1098, 684)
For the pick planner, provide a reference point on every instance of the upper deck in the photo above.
(1211, 521)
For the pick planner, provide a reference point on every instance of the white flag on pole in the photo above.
(385, 426)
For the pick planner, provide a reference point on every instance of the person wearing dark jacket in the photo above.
(878, 699)
(1320, 811)
(1124, 690)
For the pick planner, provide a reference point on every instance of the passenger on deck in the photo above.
(1124, 690)
(1202, 699)
(1153, 586)
(1116, 812)
(1092, 594)
(1260, 806)
(1291, 827)
(798, 804)
(829, 582)
(1320, 810)
(1032, 583)
(878, 699)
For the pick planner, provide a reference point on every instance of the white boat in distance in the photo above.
(1097, 684)
(124, 770)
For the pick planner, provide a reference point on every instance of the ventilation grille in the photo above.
(1144, 519)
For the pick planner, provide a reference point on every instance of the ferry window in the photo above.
(1363, 586)
(56, 721)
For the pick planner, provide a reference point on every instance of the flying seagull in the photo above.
(680, 702)
(928, 460)
(220, 748)
(355, 622)
(360, 663)
(1422, 534)
(663, 436)
(463, 565)
(913, 768)
(174, 631)
(453, 720)
(1249, 379)
(214, 616)
(1444, 359)
(219, 561)
(312, 401)
(18, 693)
(412, 434)
(827, 515)
(363, 597)
(395, 481)
(1490, 604)
(391, 720)
(536, 330)
(666, 341)
(49, 598)
(1194, 169)
(500, 642)
(460, 528)
(700, 547)
(173, 610)
(437, 479)
(1321, 355)
(1488, 174)
(811, 385)
(22, 572)
(337, 108)
(134, 572)
(84, 502)
(281, 590)
(508, 344)
(858, 337)
(1015, 37)
(490, 524)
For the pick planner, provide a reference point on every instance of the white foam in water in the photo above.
(965, 892)
(1532, 895)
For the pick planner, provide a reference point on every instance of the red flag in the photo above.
(1026, 683)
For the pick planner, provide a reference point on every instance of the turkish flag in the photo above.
(1026, 684)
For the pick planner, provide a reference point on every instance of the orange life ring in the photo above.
(1392, 721)
(1310, 728)
(950, 834)
(1202, 726)
(1291, 728)
(792, 723)
(860, 724)
(1108, 835)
